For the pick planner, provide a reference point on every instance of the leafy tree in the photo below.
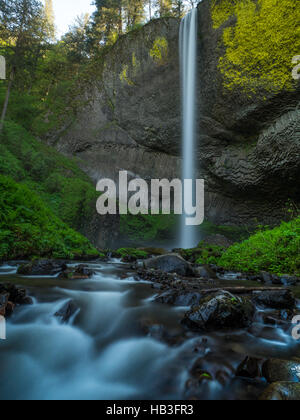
(164, 7)
(23, 35)
(50, 18)
(76, 40)
(107, 22)
(134, 11)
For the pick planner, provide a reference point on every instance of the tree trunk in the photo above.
(4, 111)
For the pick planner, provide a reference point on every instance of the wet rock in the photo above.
(41, 268)
(80, 272)
(282, 391)
(249, 368)
(155, 276)
(206, 272)
(10, 296)
(276, 370)
(67, 311)
(266, 278)
(281, 318)
(287, 280)
(17, 295)
(220, 311)
(179, 298)
(171, 263)
(277, 299)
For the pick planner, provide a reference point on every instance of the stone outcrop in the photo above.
(220, 311)
(171, 263)
(248, 145)
(10, 297)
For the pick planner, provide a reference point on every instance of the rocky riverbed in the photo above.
(160, 328)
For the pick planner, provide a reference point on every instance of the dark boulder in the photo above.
(67, 311)
(10, 296)
(41, 268)
(80, 272)
(276, 370)
(287, 280)
(277, 299)
(266, 278)
(16, 295)
(249, 368)
(282, 391)
(220, 311)
(171, 263)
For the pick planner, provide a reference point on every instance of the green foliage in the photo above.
(124, 77)
(276, 251)
(160, 51)
(28, 227)
(23, 108)
(203, 254)
(60, 183)
(234, 233)
(147, 228)
(131, 252)
(222, 11)
(261, 44)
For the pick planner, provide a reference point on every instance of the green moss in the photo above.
(276, 251)
(143, 229)
(131, 252)
(65, 189)
(28, 227)
(124, 77)
(260, 46)
(160, 51)
(222, 11)
(203, 254)
(233, 233)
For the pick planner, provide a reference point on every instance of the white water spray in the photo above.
(188, 62)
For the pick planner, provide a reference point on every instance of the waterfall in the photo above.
(188, 63)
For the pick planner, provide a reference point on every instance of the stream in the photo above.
(103, 352)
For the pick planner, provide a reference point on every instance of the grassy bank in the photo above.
(276, 251)
(28, 228)
(45, 199)
(63, 187)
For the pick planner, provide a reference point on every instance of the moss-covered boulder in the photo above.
(220, 311)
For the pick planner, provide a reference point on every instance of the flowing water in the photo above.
(103, 352)
(188, 60)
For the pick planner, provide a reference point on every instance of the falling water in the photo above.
(188, 59)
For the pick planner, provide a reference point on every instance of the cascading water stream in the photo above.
(188, 62)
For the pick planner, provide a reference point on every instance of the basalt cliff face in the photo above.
(248, 118)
